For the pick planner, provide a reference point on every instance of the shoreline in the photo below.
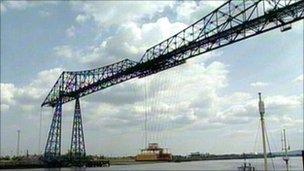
(113, 163)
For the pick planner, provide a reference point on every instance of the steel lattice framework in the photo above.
(53, 143)
(80, 83)
(77, 150)
(233, 21)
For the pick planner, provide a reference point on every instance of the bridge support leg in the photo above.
(53, 144)
(77, 149)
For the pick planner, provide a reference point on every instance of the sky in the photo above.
(207, 105)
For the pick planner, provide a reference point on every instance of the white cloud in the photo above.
(236, 98)
(7, 93)
(190, 11)
(71, 31)
(81, 18)
(286, 121)
(26, 97)
(22, 5)
(240, 108)
(259, 84)
(2, 7)
(4, 107)
(44, 13)
(130, 41)
(160, 30)
(240, 134)
(46, 77)
(27, 107)
(186, 9)
(213, 4)
(181, 96)
(132, 34)
(235, 114)
(283, 101)
(16, 4)
(104, 12)
(299, 79)
(20, 107)
(65, 51)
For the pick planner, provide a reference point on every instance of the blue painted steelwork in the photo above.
(233, 21)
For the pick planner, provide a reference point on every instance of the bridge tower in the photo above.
(53, 144)
(77, 149)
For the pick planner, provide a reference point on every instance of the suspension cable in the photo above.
(40, 127)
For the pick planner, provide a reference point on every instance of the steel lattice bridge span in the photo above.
(233, 21)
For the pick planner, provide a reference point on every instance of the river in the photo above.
(295, 164)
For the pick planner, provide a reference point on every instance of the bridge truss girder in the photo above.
(232, 22)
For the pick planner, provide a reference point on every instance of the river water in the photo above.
(295, 164)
